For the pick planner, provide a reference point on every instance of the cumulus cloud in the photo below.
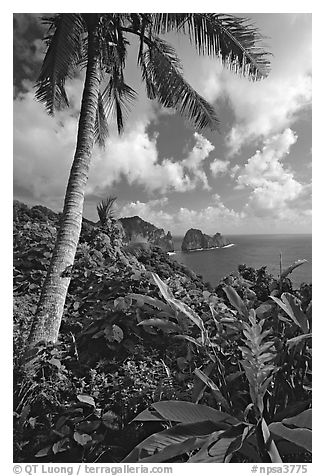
(135, 157)
(219, 167)
(44, 148)
(194, 161)
(216, 217)
(152, 211)
(273, 186)
(267, 107)
(28, 48)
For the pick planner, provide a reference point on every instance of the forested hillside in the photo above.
(221, 369)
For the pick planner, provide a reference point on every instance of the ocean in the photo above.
(252, 250)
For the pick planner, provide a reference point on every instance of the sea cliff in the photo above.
(140, 231)
(196, 240)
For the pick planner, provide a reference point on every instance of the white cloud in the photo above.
(234, 170)
(199, 153)
(219, 167)
(210, 219)
(217, 217)
(151, 211)
(194, 161)
(266, 107)
(274, 187)
(134, 156)
(44, 148)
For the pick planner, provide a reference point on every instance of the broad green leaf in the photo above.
(214, 449)
(163, 288)
(299, 436)
(250, 449)
(61, 446)
(303, 420)
(190, 313)
(120, 304)
(163, 324)
(264, 310)
(296, 340)
(82, 438)
(238, 442)
(183, 412)
(291, 410)
(86, 399)
(285, 308)
(269, 443)
(56, 363)
(199, 385)
(293, 303)
(142, 299)
(235, 300)
(186, 435)
(221, 445)
(215, 390)
(43, 452)
(286, 447)
(295, 265)
(174, 450)
(113, 333)
(293, 310)
(190, 339)
(178, 305)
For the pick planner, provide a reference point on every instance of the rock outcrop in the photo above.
(196, 240)
(140, 231)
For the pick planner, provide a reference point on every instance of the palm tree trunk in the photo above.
(48, 316)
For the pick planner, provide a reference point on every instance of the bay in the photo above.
(252, 250)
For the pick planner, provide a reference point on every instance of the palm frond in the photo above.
(117, 97)
(62, 56)
(105, 210)
(165, 22)
(235, 40)
(161, 70)
(101, 131)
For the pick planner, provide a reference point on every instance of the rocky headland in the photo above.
(140, 231)
(196, 240)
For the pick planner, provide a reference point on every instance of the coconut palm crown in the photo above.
(98, 43)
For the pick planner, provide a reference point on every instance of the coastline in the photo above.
(212, 248)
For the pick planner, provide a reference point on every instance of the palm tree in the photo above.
(105, 210)
(98, 43)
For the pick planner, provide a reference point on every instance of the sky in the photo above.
(253, 176)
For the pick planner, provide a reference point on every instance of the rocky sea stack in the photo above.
(196, 240)
(140, 231)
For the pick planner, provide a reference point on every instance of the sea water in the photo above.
(252, 250)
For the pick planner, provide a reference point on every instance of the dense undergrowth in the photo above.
(153, 364)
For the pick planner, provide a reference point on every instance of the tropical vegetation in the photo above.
(98, 43)
(121, 354)
(153, 364)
